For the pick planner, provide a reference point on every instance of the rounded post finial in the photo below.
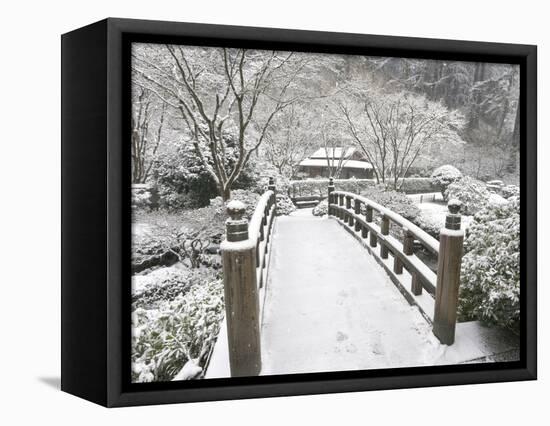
(330, 185)
(271, 184)
(236, 209)
(452, 220)
(236, 227)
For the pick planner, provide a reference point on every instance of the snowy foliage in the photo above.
(165, 284)
(319, 187)
(418, 185)
(183, 329)
(185, 182)
(429, 224)
(471, 192)
(320, 209)
(443, 176)
(490, 275)
(285, 206)
(249, 198)
(394, 128)
(393, 200)
(508, 191)
(282, 183)
(141, 197)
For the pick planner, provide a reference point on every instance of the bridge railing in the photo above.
(357, 214)
(244, 257)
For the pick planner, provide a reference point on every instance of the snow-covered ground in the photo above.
(426, 197)
(436, 211)
(330, 306)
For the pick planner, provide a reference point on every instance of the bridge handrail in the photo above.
(244, 258)
(444, 285)
(256, 221)
(425, 239)
(259, 230)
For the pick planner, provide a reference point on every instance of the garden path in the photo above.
(329, 306)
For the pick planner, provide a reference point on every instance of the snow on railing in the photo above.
(260, 228)
(422, 236)
(359, 221)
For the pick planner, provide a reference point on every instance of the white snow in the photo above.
(426, 197)
(189, 371)
(302, 212)
(236, 205)
(436, 212)
(452, 232)
(352, 164)
(497, 199)
(237, 245)
(156, 278)
(330, 307)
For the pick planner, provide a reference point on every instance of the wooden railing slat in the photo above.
(426, 278)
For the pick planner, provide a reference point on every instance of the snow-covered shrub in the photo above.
(159, 285)
(490, 274)
(319, 187)
(418, 185)
(443, 176)
(285, 206)
(320, 209)
(141, 198)
(471, 192)
(508, 191)
(183, 181)
(496, 199)
(183, 329)
(429, 225)
(282, 183)
(393, 200)
(249, 198)
(165, 284)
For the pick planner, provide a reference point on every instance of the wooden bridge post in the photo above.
(271, 187)
(384, 230)
(368, 217)
(357, 210)
(408, 249)
(330, 197)
(341, 214)
(242, 310)
(448, 275)
(348, 206)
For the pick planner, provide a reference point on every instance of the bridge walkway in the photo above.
(329, 306)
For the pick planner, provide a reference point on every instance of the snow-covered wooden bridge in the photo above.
(303, 295)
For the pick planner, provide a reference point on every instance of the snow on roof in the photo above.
(347, 164)
(332, 153)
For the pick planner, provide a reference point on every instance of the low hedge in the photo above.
(418, 185)
(319, 187)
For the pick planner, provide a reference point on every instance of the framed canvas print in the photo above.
(252, 212)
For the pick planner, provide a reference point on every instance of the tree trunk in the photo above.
(225, 193)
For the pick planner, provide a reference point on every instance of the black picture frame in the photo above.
(96, 212)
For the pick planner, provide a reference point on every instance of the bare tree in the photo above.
(335, 145)
(147, 123)
(221, 93)
(392, 130)
(290, 140)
